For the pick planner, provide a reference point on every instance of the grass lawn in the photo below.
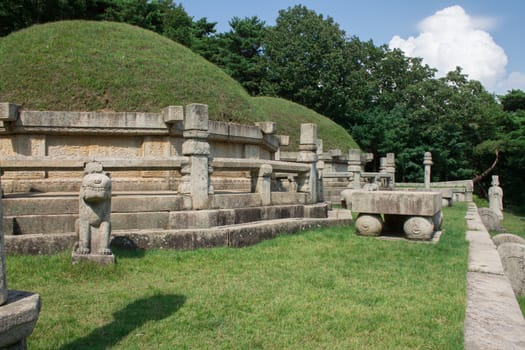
(321, 289)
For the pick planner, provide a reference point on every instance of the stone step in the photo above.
(167, 219)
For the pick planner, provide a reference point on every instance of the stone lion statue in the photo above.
(93, 226)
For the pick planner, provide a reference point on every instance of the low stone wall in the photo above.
(456, 191)
(222, 236)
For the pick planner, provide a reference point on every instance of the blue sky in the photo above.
(489, 34)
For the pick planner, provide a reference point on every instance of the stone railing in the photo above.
(177, 150)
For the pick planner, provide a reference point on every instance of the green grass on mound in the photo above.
(289, 115)
(83, 65)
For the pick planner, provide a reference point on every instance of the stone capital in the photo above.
(195, 147)
(172, 114)
(195, 134)
(196, 117)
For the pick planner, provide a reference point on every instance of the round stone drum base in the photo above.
(369, 224)
(419, 228)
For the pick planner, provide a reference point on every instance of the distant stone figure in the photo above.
(496, 197)
(93, 225)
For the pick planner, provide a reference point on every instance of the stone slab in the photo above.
(396, 202)
(39, 244)
(98, 259)
(484, 258)
(493, 318)
(340, 214)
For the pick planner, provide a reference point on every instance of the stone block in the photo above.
(251, 152)
(284, 140)
(493, 319)
(121, 203)
(98, 259)
(341, 214)
(9, 112)
(282, 212)
(507, 238)
(219, 130)
(280, 198)
(245, 132)
(397, 202)
(308, 134)
(39, 224)
(41, 205)
(317, 211)
(199, 219)
(196, 117)
(39, 244)
(237, 200)
(335, 153)
(243, 215)
(139, 221)
(173, 114)
(513, 259)
(267, 128)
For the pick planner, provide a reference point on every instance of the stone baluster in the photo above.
(264, 184)
(354, 167)
(196, 174)
(308, 154)
(427, 162)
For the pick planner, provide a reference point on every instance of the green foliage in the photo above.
(304, 58)
(321, 289)
(513, 101)
(238, 52)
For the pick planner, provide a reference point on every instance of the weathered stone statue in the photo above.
(496, 197)
(93, 225)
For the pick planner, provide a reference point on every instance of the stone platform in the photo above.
(238, 235)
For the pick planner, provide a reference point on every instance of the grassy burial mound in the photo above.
(83, 65)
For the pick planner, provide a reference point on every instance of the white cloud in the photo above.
(451, 38)
(515, 80)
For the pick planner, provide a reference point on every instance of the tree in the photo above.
(305, 59)
(514, 100)
(239, 51)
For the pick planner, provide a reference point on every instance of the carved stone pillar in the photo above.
(264, 184)
(308, 154)
(427, 162)
(196, 175)
(354, 167)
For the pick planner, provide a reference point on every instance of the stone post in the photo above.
(284, 140)
(195, 175)
(427, 162)
(308, 154)
(354, 167)
(3, 279)
(264, 184)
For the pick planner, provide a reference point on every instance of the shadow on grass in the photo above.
(133, 316)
